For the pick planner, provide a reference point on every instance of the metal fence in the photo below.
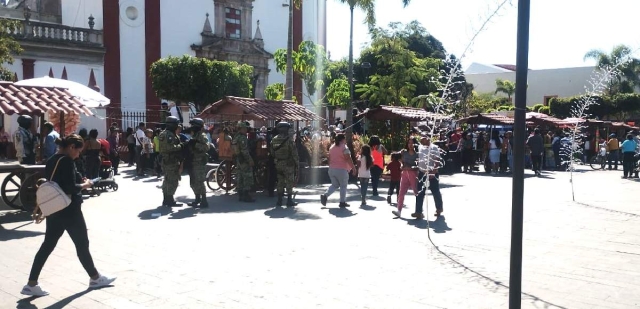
(131, 119)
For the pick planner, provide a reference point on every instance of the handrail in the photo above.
(58, 33)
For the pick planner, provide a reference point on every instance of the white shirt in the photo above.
(363, 171)
(174, 112)
(139, 137)
(428, 157)
(148, 143)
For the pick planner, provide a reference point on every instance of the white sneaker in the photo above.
(101, 281)
(396, 213)
(33, 291)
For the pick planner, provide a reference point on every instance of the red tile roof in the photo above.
(385, 112)
(38, 100)
(259, 109)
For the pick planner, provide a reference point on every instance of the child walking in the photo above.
(364, 171)
(395, 169)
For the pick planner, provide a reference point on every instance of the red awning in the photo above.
(38, 100)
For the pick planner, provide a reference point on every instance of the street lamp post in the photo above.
(522, 66)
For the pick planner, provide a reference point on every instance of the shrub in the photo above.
(536, 108)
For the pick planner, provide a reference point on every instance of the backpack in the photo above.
(50, 198)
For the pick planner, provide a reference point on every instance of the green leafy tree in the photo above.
(399, 75)
(199, 80)
(8, 47)
(505, 86)
(338, 93)
(628, 79)
(309, 61)
(479, 103)
(274, 92)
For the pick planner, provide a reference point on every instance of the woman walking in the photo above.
(339, 166)
(365, 165)
(61, 169)
(409, 177)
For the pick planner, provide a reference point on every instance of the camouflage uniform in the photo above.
(198, 147)
(286, 159)
(244, 164)
(200, 158)
(171, 151)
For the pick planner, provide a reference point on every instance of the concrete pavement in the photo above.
(583, 254)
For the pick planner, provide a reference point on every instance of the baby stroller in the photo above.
(106, 180)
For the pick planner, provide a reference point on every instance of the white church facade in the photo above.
(110, 44)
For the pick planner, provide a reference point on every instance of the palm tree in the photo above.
(628, 78)
(505, 86)
(368, 6)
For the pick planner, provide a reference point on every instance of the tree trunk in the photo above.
(351, 96)
(288, 84)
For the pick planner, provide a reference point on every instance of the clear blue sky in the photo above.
(562, 31)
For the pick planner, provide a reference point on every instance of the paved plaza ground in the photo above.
(583, 254)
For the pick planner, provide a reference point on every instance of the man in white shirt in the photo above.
(140, 136)
(429, 161)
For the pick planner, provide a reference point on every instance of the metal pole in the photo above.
(522, 67)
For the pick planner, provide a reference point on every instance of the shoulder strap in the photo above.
(55, 168)
(280, 146)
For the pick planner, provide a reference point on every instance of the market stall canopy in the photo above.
(544, 119)
(385, 112)
(16, 99)
(488, 119)
(236, 108)
(87, 96)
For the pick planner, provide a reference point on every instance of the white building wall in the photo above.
(274, 25)
(78, 73)
(75, 13)
(565, 82)
(132, 51)
(181, 23)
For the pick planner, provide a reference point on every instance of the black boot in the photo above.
(290, 202)
(279, 202)
(196, 202)
(204, 203)
(172, 202)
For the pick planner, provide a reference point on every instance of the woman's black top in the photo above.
(66, 176)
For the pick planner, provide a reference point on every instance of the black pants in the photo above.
(115, 161)
(376, 171)
(71, 220)
(394, 184)
(536, 162)
(140, 160)
(434, 187)
(132, 153)
(628, 163)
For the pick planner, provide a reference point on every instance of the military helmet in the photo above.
(197, 122)
(282, 125)
(25, 120)
(242, 124)
(172, 119)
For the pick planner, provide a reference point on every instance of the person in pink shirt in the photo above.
(409, 177)
(340, 164)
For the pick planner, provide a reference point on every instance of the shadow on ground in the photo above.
(16, 233)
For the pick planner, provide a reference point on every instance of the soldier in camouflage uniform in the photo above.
(286, 158)
(244, 162)
(198, 146)
(171, 151)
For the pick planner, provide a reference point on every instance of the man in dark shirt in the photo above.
(536, 145)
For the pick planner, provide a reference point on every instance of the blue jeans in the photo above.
(434, 187)
(376, 171)
(364, 185)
